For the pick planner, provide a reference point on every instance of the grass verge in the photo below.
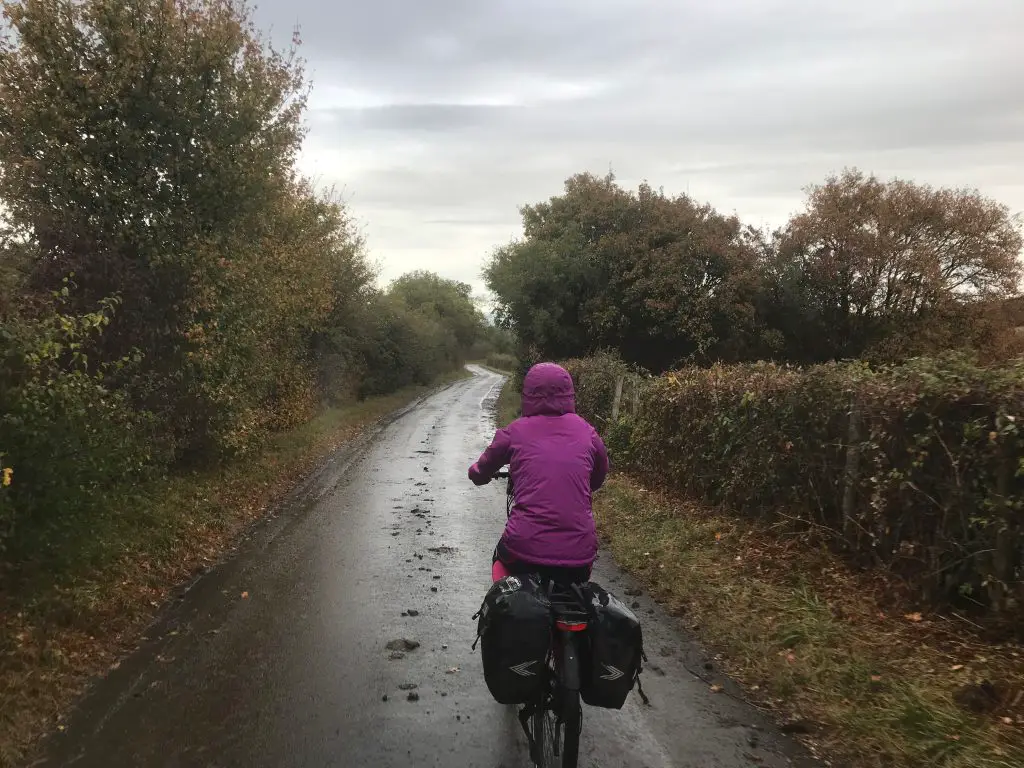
(57, 633)
(808, 639)
(506, 409)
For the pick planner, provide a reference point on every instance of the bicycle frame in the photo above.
(566, 637)
(571, 621)
(561, 696)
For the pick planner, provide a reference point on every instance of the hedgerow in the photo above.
(916, 468)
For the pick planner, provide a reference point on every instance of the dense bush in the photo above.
(494, 340)
(67, 435)
(934, 489)
(403, 346)
(148, 149)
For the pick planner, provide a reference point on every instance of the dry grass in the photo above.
(807, 638)
(56, 635)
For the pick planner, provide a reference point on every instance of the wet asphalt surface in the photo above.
(387, 541)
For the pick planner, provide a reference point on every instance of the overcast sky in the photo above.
(438, 118)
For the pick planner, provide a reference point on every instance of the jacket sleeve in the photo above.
(494, 458)
(600, 470)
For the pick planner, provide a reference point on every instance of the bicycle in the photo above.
(553, 724)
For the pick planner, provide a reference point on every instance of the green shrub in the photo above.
(66, 435)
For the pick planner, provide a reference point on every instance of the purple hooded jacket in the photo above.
(556, 460)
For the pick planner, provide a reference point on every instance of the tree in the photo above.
(449, 301)
(541, 291)
(679, 284)
(148, 148)
(880, 270)
(660, 279)
(869, 260)
(401, 347)
(420, 327)
(171, 290)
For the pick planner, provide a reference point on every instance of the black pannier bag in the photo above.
(615, 651)
(514, 631)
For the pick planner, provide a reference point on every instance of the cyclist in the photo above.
(557, 461)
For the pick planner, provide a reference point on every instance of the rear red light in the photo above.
(571, 626)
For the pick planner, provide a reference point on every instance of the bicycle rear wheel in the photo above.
(558, 745)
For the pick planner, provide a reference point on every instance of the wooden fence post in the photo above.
(617, 402)
(852, 467)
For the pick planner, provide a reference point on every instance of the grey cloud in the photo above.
(414, 49)
(415, 117)
(470, 221)
(443, 117)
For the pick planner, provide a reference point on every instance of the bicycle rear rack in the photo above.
(568, 607)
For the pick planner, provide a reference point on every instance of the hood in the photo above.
(548, 391)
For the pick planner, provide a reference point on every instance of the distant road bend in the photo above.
(387, 542)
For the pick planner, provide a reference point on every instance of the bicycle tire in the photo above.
(572, 723)
(543, 728)
(566, 753)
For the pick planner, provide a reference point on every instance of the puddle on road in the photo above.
(488, 406)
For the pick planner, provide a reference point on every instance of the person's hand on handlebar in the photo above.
(481, 479)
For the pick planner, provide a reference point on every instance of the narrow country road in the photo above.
(388, 541)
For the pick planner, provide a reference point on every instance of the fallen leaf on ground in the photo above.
(716, 688)
(915, 617)
(956, 667)
(245, 595)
